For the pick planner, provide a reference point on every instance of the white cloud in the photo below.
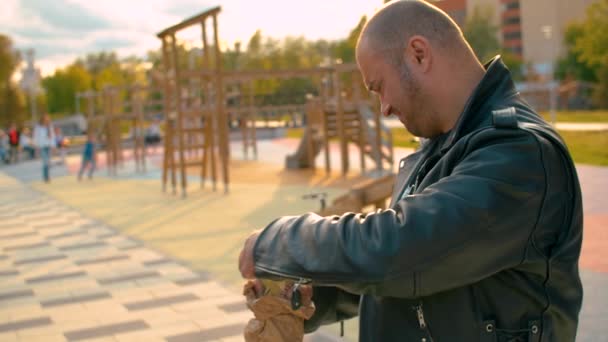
(63, 30)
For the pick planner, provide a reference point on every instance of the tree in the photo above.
(592, 47)
(62, 86)
(345, 49)
(572, 64)
(514, 63)
(481, 33)
(12, 101)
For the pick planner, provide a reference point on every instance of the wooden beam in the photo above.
(180, 123)
(223, 122)
(170, 31)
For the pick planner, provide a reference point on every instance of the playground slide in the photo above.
(299, 160)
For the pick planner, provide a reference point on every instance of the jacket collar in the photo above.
(496, 85)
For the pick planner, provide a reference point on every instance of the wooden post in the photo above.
(340, 123)
(167, 110)
(210, 119)
(224, 139)
(362, 124)
(180, 117)
(378, 141)
(253, 115)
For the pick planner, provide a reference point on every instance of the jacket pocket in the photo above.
(491, 333)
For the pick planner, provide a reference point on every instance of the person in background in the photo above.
(153, 135)
(89, 156)
(3, 147)
(44, 138)
(26, 144)
(13, 140)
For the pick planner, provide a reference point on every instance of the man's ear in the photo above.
(418, 53)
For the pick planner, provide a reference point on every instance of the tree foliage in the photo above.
(481, 33)
(590, 47)
(12, 100)
(572, 64)
(62, 86)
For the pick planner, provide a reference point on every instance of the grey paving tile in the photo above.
(89, 225)
(157, 262)
(128, 244)
(16, 235)
(27, 246)
(8, 273)
(54, 277)
(234, 307)
(191, 281)
(83, 245)
(39, 259)
(16, 294)
(26, 324)
(51, 225)
(67, 234)
(128, 277)
(7, 217)
(75, 299)
(212, 334)
(101, 260)
(159, 302)
(105, 330)
(107, 235)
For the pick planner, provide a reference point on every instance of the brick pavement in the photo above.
(65, 277)
(61, 270)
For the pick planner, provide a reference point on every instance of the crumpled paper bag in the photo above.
(275, 321)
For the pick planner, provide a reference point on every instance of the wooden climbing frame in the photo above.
(208, 129)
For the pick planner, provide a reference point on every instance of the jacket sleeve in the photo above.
(465, 227)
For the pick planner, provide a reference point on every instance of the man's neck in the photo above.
(460, 90)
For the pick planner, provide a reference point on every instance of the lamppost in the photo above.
(548, 32)
(31, 83)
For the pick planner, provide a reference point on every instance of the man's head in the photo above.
(407, 53)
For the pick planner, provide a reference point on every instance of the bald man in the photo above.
(482, 238)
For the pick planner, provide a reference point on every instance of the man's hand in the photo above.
(246, 262)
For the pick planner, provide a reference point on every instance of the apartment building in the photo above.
(531, 29)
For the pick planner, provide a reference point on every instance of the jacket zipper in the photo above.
(415, 175)
(422, 322)
(301, 280)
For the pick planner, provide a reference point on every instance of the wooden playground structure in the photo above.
(115, 114)
(200, 100)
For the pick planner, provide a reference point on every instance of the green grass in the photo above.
(578, 116)
(295, 133)
(587, 147)
(403, 138)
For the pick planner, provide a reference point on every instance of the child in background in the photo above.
(89, 156)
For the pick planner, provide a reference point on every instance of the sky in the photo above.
(61, 30)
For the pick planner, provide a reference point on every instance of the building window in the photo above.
(516, 50)
(510, 21)
(510, 5)
(512, 35)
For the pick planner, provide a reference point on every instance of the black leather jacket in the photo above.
(481, 241)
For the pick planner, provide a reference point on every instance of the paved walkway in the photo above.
(64, 276)
(564, 126)
(115, 259)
